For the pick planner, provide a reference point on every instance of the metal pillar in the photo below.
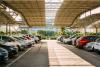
(6, 29)
(84, 31)
(9, 30)
(96, 30)
(84, 27)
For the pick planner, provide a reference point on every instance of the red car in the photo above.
(82, 41)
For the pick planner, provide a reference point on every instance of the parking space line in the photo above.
(18, 58)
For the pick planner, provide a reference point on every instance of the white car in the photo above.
(97, 45)
(11, 41)
(90, 46)
(36, 39)
(93, 46)
(66, 40)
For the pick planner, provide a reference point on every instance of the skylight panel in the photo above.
(91, 12)
(51, 8)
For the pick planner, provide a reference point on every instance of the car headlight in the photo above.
(11, 48)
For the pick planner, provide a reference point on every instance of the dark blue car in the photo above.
(3, 54)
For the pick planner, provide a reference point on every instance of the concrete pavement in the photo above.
(49, 53)
(59, 56)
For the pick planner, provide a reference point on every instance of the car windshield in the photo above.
(6, 38)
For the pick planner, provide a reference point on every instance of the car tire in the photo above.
(92, 49)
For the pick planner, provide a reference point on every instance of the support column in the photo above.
(96, 30)
(9, 30)
(6, 29)
(84, 31)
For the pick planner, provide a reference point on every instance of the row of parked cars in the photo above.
(90, 43)
(10, 46)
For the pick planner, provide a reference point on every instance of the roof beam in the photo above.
(6, 4)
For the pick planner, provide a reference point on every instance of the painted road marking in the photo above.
(18, 58)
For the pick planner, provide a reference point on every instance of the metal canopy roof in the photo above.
(71, 9)
(87, 21)
(5, 18)
(32, 10)
(67, 15)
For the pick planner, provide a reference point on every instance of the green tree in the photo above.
(63, 31)
(24, 32)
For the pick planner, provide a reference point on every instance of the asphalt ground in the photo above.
(37, 56)
(50, 53)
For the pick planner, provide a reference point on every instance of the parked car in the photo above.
(12, 41)
(39, 37)
(68, 40)
(82, 41)
(90, 46)
(22, 43)
(61, 38)
(74, 40)
(97, 45)
(26, 41)
(3, 55)
(12, 49)
(36, 39)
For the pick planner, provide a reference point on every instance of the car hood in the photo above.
(10, 43)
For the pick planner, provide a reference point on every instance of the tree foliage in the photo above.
(24, 32)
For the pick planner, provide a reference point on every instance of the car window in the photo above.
(7, 38)
(93, 38)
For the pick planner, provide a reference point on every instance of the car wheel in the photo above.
(92, 49)
(87, 49)
(19, 49)
(70, 43)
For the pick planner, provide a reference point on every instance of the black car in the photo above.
(3, 55)
(12, 49)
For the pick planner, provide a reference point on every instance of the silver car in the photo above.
(90, 46)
